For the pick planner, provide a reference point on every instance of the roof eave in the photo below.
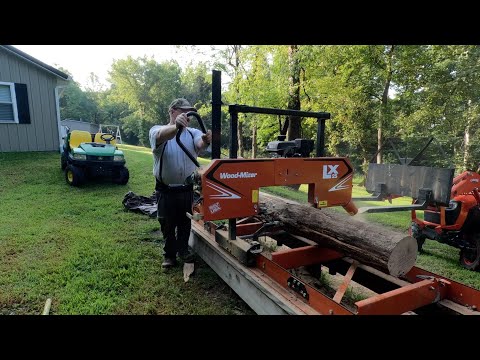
(36, 62)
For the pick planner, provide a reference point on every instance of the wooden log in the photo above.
(389, 251)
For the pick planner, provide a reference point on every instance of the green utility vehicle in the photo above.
(85, 156)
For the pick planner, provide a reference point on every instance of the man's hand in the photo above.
(181, 120)
(207, 138)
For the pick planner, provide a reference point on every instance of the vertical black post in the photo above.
(233, 134)
(216, 113)
(232, 229)
(320, 137)
(232, 223)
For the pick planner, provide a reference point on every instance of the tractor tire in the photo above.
(121, 176)
(414, 232)
(74, 176)
(420, 242)
(470, 259)
(63, 160)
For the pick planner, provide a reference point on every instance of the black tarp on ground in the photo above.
(141, 204)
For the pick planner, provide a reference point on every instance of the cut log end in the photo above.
(403, 257)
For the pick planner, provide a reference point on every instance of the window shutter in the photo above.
(22, 103)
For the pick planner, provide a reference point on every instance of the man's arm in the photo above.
(169, 131)
(166, 133)
(204, 141)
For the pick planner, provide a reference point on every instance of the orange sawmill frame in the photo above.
(420, 287)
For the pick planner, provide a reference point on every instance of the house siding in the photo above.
(42, 133)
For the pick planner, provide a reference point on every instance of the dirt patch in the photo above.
(15, 309)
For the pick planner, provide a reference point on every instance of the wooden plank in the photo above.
(378, 273)
(460, 309)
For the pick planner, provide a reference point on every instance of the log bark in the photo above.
(382, 248)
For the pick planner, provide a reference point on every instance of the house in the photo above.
(29, 102)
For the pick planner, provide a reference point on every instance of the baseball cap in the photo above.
(181, 104)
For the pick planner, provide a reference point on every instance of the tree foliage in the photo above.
(376, 94)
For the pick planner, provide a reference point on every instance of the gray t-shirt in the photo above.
(177, 166)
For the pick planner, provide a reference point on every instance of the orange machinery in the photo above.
(451, 204)
(457, 224)
(230, 187)
(228, 191)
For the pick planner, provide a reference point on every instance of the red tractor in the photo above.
(451, 204)
(458, 224)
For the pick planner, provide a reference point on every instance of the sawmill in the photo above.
(232, 218)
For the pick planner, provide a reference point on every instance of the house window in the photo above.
(8, 103)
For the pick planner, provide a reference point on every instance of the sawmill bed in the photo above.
(288, 281)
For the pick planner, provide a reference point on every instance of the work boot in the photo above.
(168, 263)
(187, 256)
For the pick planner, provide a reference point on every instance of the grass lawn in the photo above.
(80, 248)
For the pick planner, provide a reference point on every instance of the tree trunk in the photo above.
(467, 163)
(466, 149)
(240, 138)
(386, 250)
(294, 126)
(383, 106)
(233, 59)
(254, 139)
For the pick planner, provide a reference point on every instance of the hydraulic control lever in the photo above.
(179, 132)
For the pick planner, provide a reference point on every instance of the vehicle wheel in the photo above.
(420, 242)
(74, 175)
(415, 232)
(470, 259)
(121, 176)
(63, 160)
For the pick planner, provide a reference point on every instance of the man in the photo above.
(172, 169)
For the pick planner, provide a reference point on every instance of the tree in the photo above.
(197, 85)
(258, 82)
(443, 101)
(75, 104)
(148, 88)
(294, 126)
(231, 56)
